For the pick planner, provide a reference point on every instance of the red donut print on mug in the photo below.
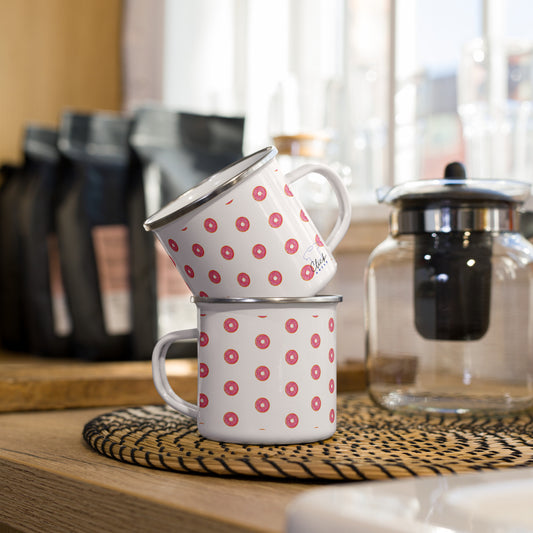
(259, 193)
(259, 251)
(262, 405)
(291, 325)
(227, 252)
(231, 356)
(266, 369)
(242, 232)
(243, 279)
(291, 246)
(275, 278)
(231, 325)
(291, 357)
(242, 224)
(214, 277)
(210, 225)
(291, 389)
(198, 250)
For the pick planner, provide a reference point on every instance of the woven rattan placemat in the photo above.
(370, 443)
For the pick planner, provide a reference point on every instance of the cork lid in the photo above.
(302, 144)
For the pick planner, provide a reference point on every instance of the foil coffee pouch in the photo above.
(171, 152)
(48, 317)
(13, 332)
(93, 233)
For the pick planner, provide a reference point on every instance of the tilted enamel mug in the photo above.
(266, 369)
(242, 232)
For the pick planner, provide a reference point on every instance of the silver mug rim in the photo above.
(318, 298)
(156, 221)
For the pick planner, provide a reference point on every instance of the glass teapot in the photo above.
(449, 298)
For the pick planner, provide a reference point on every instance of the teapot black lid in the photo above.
(454, 188)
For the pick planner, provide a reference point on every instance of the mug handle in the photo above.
(343, 199)
(159, 374)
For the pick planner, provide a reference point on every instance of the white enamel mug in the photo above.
(241, 232)
(266, 369)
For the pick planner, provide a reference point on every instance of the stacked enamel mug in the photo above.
(255, 263)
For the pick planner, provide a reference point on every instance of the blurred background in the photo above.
(110, 108)
(396, 87)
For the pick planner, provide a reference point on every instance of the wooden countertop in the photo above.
(51, 480)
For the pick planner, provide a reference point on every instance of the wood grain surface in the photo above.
(30, 383)
(50, 481)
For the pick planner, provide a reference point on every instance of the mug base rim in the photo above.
(260, 440)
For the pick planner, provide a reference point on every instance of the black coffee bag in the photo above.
(48, 317)
(93, 233)
(171, 152)
(13, 331)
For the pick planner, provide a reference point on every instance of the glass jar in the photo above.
(449, 296)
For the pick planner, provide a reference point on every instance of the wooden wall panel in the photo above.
(56, 54)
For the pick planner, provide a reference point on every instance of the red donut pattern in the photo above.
(198, 250)
(210, 225)
(231, 419)
(291, 389)
(204, 370)
(231, 325)
(227, 252)
(262, 373)
(275, 220)
(262, 405)
(275, 278)
(315, 371)
(291, 325)
(259, 193)
(231, 356)
(291, 246)
(307, 272)
(291, 420)
(214, 276)
(217, 234)
(291, 357)
(242, 224)
(203, 400)
(262, 341)
(231, 388)
(259, 251)
(316, 403)
(243, 279)
(306, 393)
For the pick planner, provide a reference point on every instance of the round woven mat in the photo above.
(370, 443)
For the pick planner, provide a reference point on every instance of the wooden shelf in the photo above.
(30, 383)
